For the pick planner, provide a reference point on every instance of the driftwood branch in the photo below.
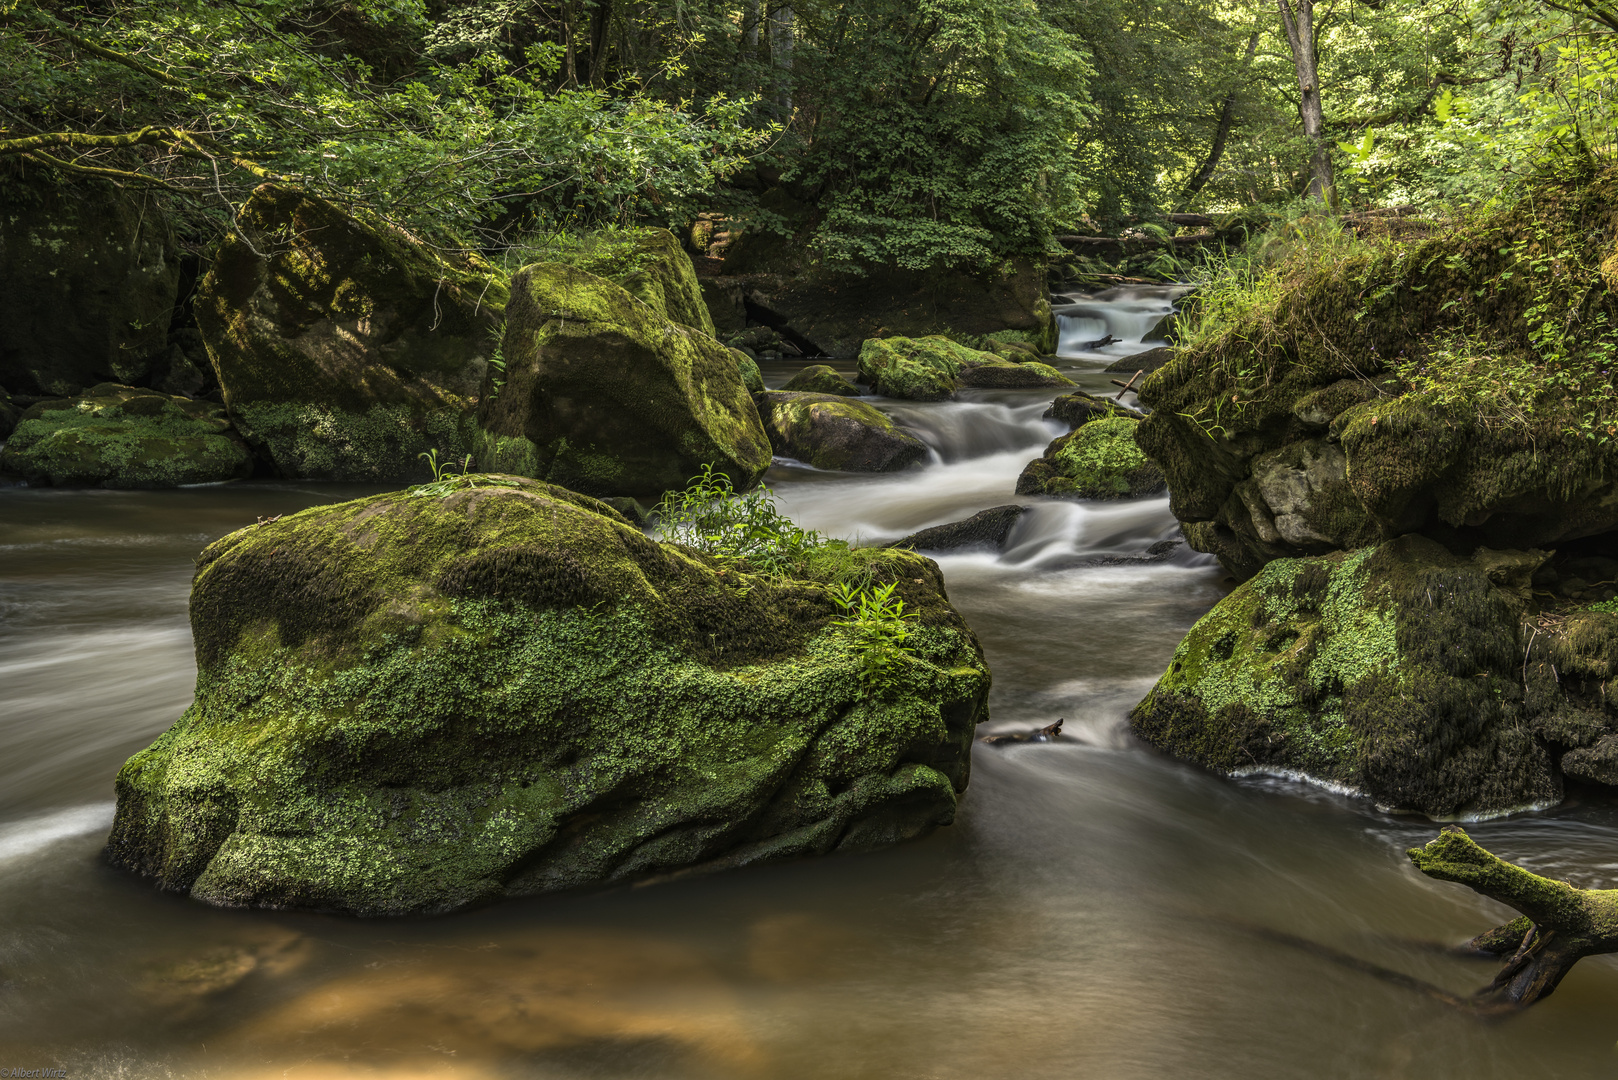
(1560, 925)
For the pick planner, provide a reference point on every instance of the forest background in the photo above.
(918, 133)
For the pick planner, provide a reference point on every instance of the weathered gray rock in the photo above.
(1148, 361)
(987, 529)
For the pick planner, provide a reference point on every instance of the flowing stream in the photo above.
(1097, 910)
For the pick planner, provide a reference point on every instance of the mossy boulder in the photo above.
(651, 266)
(1406, 385)
(821, 379)
(1394, 670)
(410, 703)
(996, 374)
(1080, 408)
(1098, 460)
(605, 396)
(350, 346)
(89, 274)
(1148, 361)
(829, 431)
(122, 437)
(924, 369)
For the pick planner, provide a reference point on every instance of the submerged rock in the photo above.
(122, 437)
(989, 529)
(605, 396)
(1393, 670)
(351, 347)
(821, 379)
(89, 274)
(409, 703)
(1098, 460)
(1080, 408)
(831, 432)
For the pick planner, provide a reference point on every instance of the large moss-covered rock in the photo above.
(821, 379)
(88, 280)
(829, 431)
(344, 346)
(1393, 670)
(604, 395)
(651, 266)
(999, 374)
(1407, 386)
(1098, 460)
(410, 703)
(921, 370)
(121, 437)
(1080, 408)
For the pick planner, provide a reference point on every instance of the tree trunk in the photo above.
(781, 44)
(1227, 116)
(600, 22)
(1300, 34)
(1560, 925)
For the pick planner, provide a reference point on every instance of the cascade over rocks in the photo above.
(89, 275)
(411, 703)
(122, 437)
(344, 346)
(1394, 670)
(829, 431)
(606, 396)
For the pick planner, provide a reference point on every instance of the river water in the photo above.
(1096, 911)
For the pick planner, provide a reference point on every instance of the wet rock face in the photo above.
(1147, 361)
(604, 395)
(1080, 408)
(352, 347)
(829, 431)
(122, 437)
(410, 703)
(88, 281)
(1098, 460)
(1394, 670)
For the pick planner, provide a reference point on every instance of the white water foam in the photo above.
(31, 835)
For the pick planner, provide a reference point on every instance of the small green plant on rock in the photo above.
(880, 628)
(710, 516)
(450, 477)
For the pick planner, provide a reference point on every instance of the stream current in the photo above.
(1097, 910)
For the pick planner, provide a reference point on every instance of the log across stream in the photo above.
(1096, 911)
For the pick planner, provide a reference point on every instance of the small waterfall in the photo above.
(1126, 313)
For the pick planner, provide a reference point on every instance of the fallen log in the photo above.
(1560, 925)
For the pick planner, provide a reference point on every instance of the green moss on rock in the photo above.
(821, 379)
(829, 431)
(122, 437)
(346, 318)
(1392, 670)
(1098, 460)
(410, 704)
(605, 396)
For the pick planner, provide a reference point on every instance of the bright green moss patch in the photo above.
(122, 437)
(414, 703)
(1098, 460)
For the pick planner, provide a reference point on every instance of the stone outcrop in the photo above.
(343, 346)
(418, 701)
(89, 276)
(604, 395)
(829, 431)
(122, 437)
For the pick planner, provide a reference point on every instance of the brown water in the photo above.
(1096, 910)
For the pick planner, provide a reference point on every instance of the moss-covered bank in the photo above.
(122, 437)
(1457, 385)
(409, 703)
